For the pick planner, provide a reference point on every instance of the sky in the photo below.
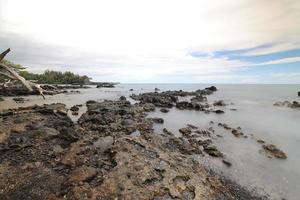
(157, 41)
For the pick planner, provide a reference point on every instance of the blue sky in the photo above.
(170, 41)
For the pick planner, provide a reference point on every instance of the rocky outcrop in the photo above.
(44, 155)
(105, 85)
(294, 104)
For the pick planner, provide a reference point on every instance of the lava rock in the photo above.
(164, 110)
(274, 151)
(219, 112)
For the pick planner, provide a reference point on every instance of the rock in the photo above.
(83, 173)
(295, 104)
(227, 163)
(260, 141)
(1, 99)
(219, 112)
(122, 98)
(74, 108)
(19, 99)
(212, 151)
(299, 94)
(185, 131)
(199, 98)
(184, 105)
(274, 151)
(219, 103)
(127, 122)
(104, 143)
(156, 90)
(212, 88)
(105, 85)
(90, 102)
(75, 113)
(131, 89)
(167, 132)
(237, 132)
(157, 120)
(68, 135)
(192, 126)
(164, 110)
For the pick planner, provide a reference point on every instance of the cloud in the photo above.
(142, 41)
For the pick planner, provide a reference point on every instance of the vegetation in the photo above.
(49, 76)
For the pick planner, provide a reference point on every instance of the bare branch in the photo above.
(3, 54)
(17, 76)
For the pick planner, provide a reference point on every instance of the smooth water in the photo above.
(255, 114)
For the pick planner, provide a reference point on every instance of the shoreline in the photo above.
(128, 165)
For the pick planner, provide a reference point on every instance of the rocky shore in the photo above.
(112, 152)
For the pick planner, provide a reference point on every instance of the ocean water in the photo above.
(255, 114)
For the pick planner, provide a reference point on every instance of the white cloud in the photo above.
(138, 40)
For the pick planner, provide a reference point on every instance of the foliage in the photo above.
(48, 77)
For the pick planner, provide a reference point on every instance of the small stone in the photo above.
(219, 112)
(227, 163)
(164, 110)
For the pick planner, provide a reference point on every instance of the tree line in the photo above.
(49, 76)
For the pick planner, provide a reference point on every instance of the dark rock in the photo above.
(1, 99)
(274, 151)
(164, 110)
(19, 99)
(167, 132)
(156, 90)
(157, 120)
(90, 102)
(212, 151)
(227, 163)
(184, 105)
(105, 85)
(299, 94)
(131, 90)
(74, 108)
(122, 98)
(185, 131)
(219, 103)
(260, 141)
(199, 98)
(212, 88)
(219, 112)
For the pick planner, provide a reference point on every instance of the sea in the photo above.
(249, 106)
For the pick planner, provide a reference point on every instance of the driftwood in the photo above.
(13, 75)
